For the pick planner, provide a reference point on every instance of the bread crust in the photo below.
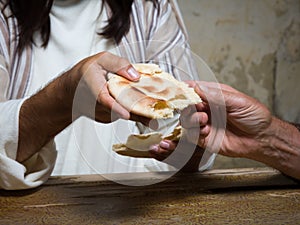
(138, 145)
(156, 95)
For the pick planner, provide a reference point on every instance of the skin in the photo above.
(49, 111)
(165, 148)
(251, 130)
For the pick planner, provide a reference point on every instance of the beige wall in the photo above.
(253, 45)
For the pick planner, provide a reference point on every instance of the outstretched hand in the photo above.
(81, 91)
(233, 124)
(246, 119)
(241, 123)
(92, 97)
(249, 131)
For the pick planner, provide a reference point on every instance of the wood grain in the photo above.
(245, 196)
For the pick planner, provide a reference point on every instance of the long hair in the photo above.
(33, 16)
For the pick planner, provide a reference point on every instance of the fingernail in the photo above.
(133, 73)
(153, 148)
(164, 144)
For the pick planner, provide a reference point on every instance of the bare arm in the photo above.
(43, 116)
(48, 112)
(251, 131)
(279, 148)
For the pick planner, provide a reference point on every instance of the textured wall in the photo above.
(253, 45)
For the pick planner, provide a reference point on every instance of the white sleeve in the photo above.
(34, 171)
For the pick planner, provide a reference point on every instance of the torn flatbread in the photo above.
(137, 145)
(156, 95)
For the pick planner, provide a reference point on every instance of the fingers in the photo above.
(129, 72)
(118, 65)
(214, 85)
(105, 99)
(94, 77)
(191, 120)
(186, 158)
(94, 70)
(212, 92)
(163, 150)
(196, 123)
(221, 95)
(195, 134)
(121, 66)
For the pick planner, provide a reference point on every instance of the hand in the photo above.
(80, 91)
(246, 119)
(250, 130)
(188, 155)
(184, 156)
(91, 97)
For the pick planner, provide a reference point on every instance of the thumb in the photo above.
(129, 72)
(213, 95)
(115, 64)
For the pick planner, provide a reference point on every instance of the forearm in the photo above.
(280, 148)
(44, 115)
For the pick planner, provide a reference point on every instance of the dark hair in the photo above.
(33, 16)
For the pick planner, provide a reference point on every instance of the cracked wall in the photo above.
(287, 82)
(252, 45)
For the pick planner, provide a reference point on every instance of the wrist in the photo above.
(279, 147)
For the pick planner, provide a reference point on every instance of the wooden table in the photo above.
(243, 196)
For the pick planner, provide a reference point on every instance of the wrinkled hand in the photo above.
(92, 97)
(246, 120)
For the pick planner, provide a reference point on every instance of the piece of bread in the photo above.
(156, 95)
(137, 145)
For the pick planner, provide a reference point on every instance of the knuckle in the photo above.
(124, 63)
